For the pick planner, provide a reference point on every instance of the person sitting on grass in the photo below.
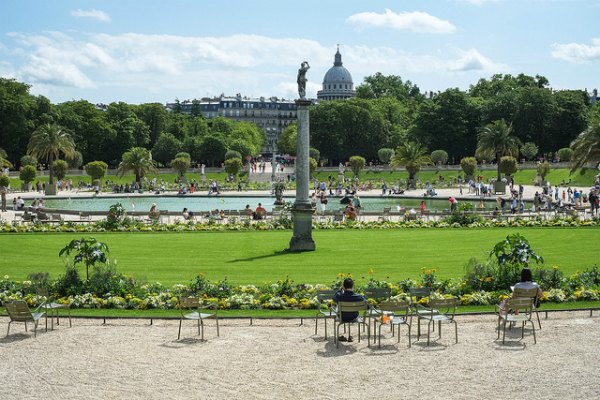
(346, 293)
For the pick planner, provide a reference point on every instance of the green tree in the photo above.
(17, 113)
(586, 147)
(357, 163)
(48, 142)
(181, 165)
(139, 161)
(314, 153)
(495, 141)
(543, 169)
(529, 150)
(508, 165)
(379, 85)
(439, 157)
(59, 169)
(4, 163)
(75, 161)
(29, 160)
(385, 155)
(469, 166)
(232, 154)
(27, 174)
(154, 116)
(183, 154)
(96, 169)
(286, 142)
(412, 156)
(212, 149)
(312, 166)
(233, 166)
(165, 148)
(565, 154)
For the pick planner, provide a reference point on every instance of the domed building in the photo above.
(337, 83)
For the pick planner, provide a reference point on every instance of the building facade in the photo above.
(271, 115)
(337, 83)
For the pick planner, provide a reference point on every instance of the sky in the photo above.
(142, 51)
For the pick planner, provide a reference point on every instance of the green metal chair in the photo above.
(353, 306)
(516, 310)
(19, 312)
(324, 297)
(190, 309)
(396, 313)
(442, 310)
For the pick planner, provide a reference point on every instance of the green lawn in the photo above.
(258, 257)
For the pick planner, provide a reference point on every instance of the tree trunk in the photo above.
(51, 175)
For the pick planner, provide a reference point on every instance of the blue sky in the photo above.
(141, 51)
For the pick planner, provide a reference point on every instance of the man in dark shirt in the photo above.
(346, 293)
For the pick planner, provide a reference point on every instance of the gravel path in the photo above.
(278, 359)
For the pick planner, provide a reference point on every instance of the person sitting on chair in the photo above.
(346, 293)
(527, 283)
(260, 212)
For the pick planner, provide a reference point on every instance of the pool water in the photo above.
(205, 203)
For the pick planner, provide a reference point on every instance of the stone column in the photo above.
(302, 210)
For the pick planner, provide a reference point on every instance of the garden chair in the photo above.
(516, 310)
(19, 312)
(395, 313)
(442, 310)
(324, 296)
(190, 309)
(532, 294)
(419, 293)
(52, 307)
(352, 306)
(377, 294)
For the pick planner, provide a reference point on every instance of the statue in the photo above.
(302, 79)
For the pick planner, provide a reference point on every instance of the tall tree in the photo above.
(137, 160)
(48, 142)
(17, 108)
(412, 156)
(586, 147)
(495, 141)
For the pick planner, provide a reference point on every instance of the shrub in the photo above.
(233, 166)
(468, 165)
(96, 169)
(312, 165)
(27, 174)
(4, 181)
(75, 160)
(314, 153)
(564, 154)
(385, 155)
(529, 150)
(357, 163)
(508, 165)
(181, 165)
(29, 160)
(543, 169)
(232, 154)
(439, 157)
(60, 168)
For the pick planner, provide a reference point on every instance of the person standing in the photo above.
(422, 207)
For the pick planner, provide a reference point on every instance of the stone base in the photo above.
(302, 239)
(499, 187)
(50, 190)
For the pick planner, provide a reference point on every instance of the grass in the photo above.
(259, 257)
(525, 177)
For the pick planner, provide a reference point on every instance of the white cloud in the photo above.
(162, 67)
(576, 52)
(95, 14)
(416, 21)
(473, 60)
(478, 2)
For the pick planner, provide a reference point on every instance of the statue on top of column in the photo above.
(302, 79)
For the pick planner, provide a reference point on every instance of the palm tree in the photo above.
(586, 147)
(495, 141)
(48, 142)
(4, 163)
(139, 160)
(412, 156)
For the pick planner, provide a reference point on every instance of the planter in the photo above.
(50, 189)
(26, 187)
(499, 187)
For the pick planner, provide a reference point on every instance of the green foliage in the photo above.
(385, 155)
(314, 153)
(543, 169)
(233, 154)
(183, 154)
(116, 215)
(439, 157)
(60, 168)
(89, 251)
(181, 165)
(357, 163)
(48, 142)
(27, 174)
(412, 156)
(512, 255)
(4, 181)
(312, 165)
(469, 165)
(233, 166)
(96, 169)
(495, 141)
(139, 161)
(70, 283)
(529, 150)
(29, 160)
(75, 160)
(165, 148)
(565, 154)
(213, 149)
(508, 165)
(286, 142)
